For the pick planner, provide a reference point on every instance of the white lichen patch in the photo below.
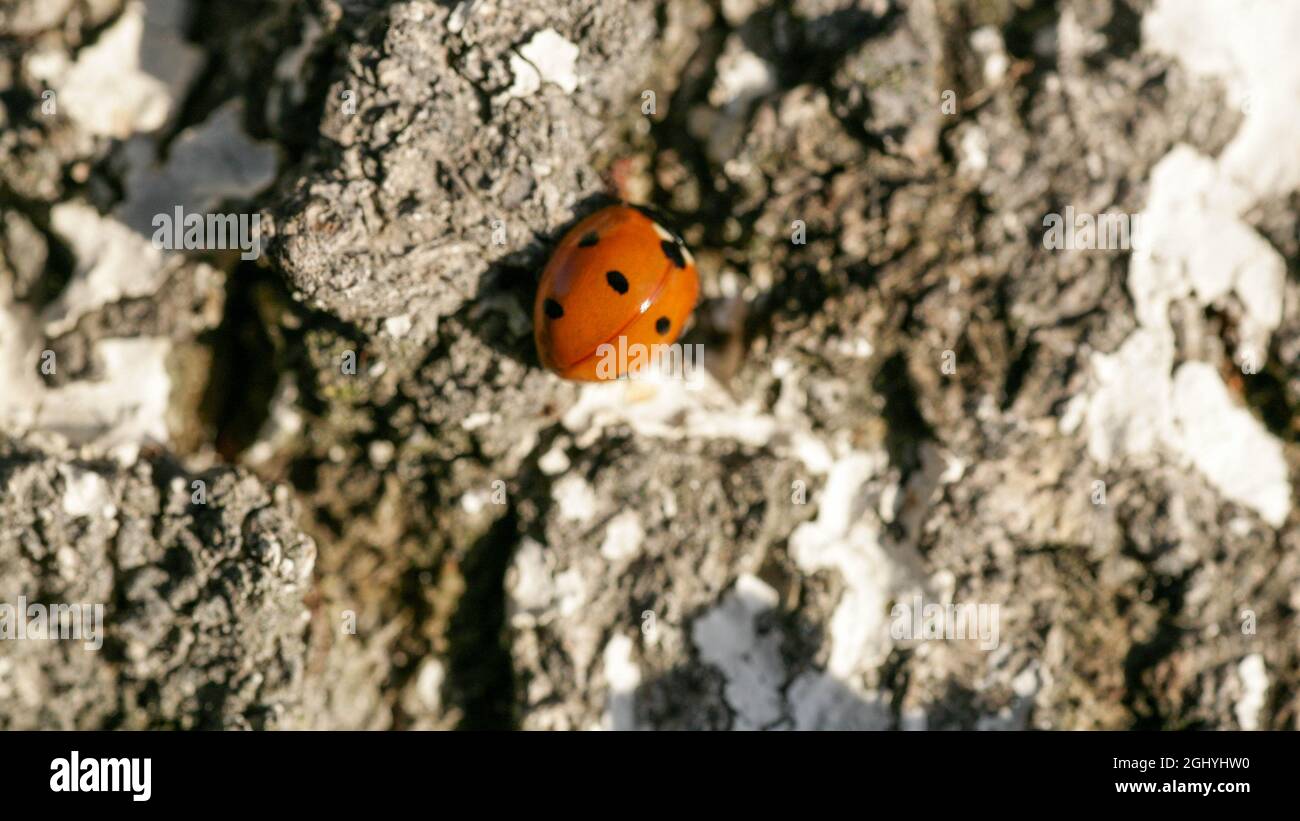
(743, 76)
(130, 80)
(623, 677)
(397, 326)
(575, 498)
(476, 420)
(555, 461)
(571, 591)
(19, 363)
(670, 409)
(974, 150)
(474, 501)
(547, 58)
(1196, 247)
(1227, 444)
(727, 638)
(113, 263)
(85, 493)
(1252, 51)
(539, 593)
(128, 406)
(821, 702)
(528, 80)
(1129, 413)
(428, 683)
(845, 539)
(1138, 407)
(1254, 685)
(988, 44)
(530, 583)
(125, 407)
(623, 537)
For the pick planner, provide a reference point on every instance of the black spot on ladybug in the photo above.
(589, 239)
(616, 281)
(553, 309)
(674, 252)
(662, 324)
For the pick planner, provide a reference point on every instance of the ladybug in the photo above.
(619, 273)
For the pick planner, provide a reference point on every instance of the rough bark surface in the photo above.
(910, 397)
(201, 578)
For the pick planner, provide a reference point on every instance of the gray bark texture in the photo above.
(1072, 468)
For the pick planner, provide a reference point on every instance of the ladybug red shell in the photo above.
(617, 273)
